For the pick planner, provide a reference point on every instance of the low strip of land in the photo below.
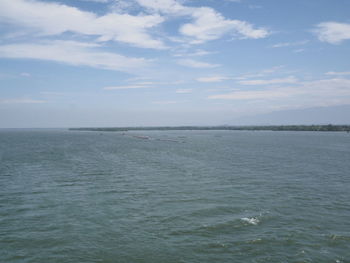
(322, 128)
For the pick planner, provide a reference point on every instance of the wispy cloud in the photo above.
(333, 73)
(289, 44)
(72, 53)
(196, 53)
(287, 80)
(196, 64)
(46, 18)
(212, 79)
(207, 24)
(184, 91)
(261, 73)
(164, 6)
(324, 92)
(332, 32)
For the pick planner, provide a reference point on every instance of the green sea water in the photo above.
(174, 196)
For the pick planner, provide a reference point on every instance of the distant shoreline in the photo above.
(322, 128)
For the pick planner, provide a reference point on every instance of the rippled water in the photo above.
(212, 196)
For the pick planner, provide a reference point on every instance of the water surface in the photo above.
(179, 196)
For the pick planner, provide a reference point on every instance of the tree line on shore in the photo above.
(329, 127)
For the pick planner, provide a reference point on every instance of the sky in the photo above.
(89, 63)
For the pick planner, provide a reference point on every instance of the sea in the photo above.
(174, 196)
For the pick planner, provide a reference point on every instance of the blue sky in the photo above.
(75, 63)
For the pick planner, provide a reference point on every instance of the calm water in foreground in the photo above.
(214, 196)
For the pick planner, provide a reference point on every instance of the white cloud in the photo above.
(145, 83)
(335, 85)
(122, 6)
(212, 79)
(288, 44)
(72, 53)
(54, 19)
(39, 18)
(209, 25)
(324, 92)
(196, 64)
(164, 6)
(287, 80)
(259, 74)
(201, 53)
(332, 73)
(333, 32)
(183, 91)
(196, 53)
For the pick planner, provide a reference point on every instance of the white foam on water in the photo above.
(253, 220)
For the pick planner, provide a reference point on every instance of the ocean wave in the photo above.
(252, 220)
